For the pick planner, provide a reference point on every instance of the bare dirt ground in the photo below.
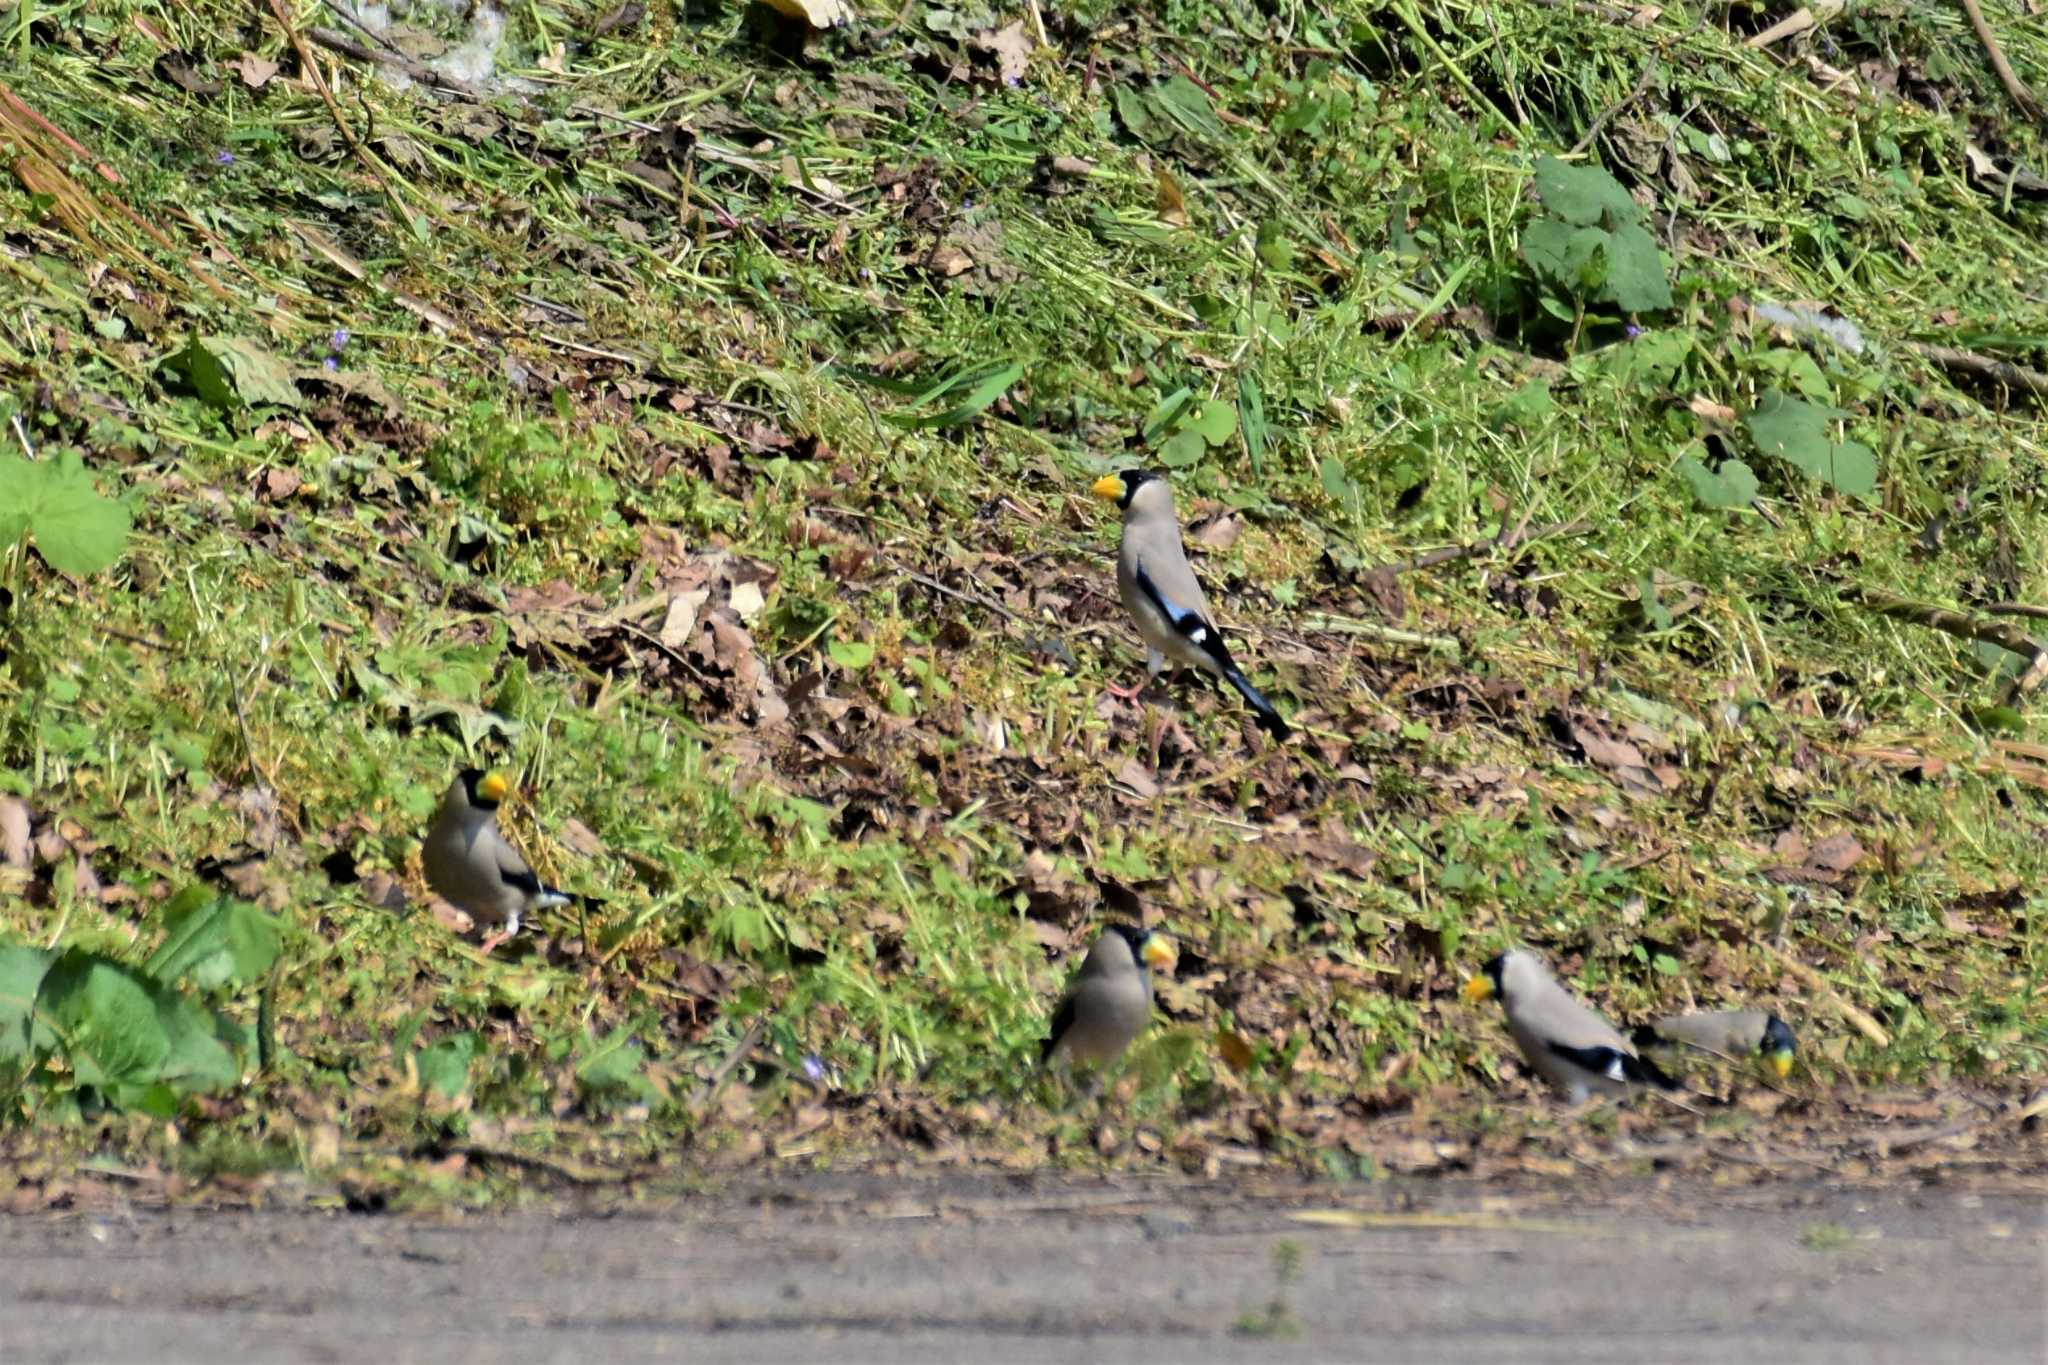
(991, 1269)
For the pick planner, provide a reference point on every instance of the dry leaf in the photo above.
(14, 823)
(1138, 778)
(582, 838)
(747, 600)
(681, 621)
(816, 13)
(1010, 48)
(256, 72)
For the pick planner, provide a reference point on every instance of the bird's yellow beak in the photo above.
(1478, 988)
(1160, 954)
(1781, 1063)
(1109, 488)
(493, 786)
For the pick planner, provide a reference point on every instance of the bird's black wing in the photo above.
(1186, 621)
(1615, 1065)
(1205, 637)
(1061, 1022)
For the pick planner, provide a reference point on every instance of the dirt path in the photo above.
(1074, 1273)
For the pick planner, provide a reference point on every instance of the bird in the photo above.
(469, 863)
(1110, 1000)
(1726, 1033)
(1571, 1047)
(1161, 593)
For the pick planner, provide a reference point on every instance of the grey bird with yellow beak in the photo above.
(470, 865)
(1731, 1034)
(1564, 1042)
(1110, 1002)
(1161, 593)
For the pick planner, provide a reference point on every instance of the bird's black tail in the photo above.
(1646, 1072)
(1269, 719)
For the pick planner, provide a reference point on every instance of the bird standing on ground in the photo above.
(1161, 593)
(1571, 1047)
(470, 865)
(1110, 1002)
(1733, 1034)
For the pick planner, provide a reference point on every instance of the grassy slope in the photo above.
(568, 381)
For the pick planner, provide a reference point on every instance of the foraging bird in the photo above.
(1726, 1033)
(1164, 599)
(1577, 1051)
(470, 865)
(1110, 1002)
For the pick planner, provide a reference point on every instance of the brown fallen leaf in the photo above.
(816, 13)
(14, 826)
(1010, 48)
(1138, 778)
(256, 72)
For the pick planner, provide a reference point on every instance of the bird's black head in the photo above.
(1152, 952)
(1133, 934)
(477, 790)
(1488, 983)
(1123, 485)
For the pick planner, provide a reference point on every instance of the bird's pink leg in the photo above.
(492, 941)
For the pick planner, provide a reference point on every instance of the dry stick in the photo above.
(1815, 982)
(415, 71)
(701, 1102)
(1508, 541)
(1605, 115)
(2004, 372)
(2018, 609)
(1949, 622)
(2007, 77)
(348, 134)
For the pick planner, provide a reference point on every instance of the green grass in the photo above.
(592, 366)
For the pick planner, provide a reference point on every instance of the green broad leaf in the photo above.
(255, 372)
(76, 530)
(1636, 280)
(851, 654)
(1583, 195)
(21, 975)
(1654, 611)
(197, 1059)
(1528, 405)
(1186, 105)
(204, 374)
(1165, 414)
(1216, 420)
(616, 1065)
(1796, 431)
(1336, 481)
(1131, 108)
(1182, 449)
(105, 1015)
(445, 1065)
(1732, 485)
(1563, 254)
(1273, 247)
(1251, 421)
(210, 939)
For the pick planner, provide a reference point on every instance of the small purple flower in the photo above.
(223, 158)
(814, 1069)
(331, 363)
(1634, 331)
(338, 340)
